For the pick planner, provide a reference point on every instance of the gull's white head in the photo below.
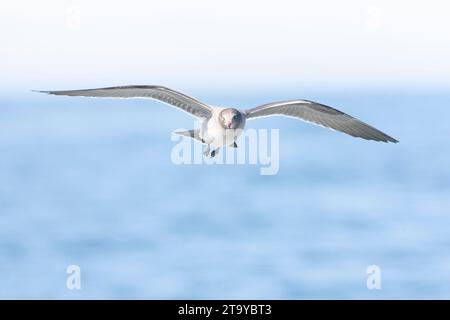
(230, 118)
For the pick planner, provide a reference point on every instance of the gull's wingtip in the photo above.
(41, 91)
(390, 140)
(393, 140)
(386, 139)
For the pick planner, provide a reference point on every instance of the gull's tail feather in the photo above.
(194, 134)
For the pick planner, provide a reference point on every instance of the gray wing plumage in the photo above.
(322, 115)
(163, 94)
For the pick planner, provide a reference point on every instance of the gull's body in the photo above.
(221, 127)
(213, 133)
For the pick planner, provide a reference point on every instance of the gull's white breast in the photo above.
(213, 133)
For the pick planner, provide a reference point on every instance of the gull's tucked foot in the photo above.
(207, 151)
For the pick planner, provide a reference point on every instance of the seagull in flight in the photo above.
(221, 127)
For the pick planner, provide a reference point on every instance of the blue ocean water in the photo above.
(90, 182)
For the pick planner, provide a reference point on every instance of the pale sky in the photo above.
(228, 44)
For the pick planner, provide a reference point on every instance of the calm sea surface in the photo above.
(91, 183)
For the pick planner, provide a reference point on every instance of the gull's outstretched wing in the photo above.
(163, 94)
(322, 115)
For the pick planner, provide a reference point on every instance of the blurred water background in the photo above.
(90, 182)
